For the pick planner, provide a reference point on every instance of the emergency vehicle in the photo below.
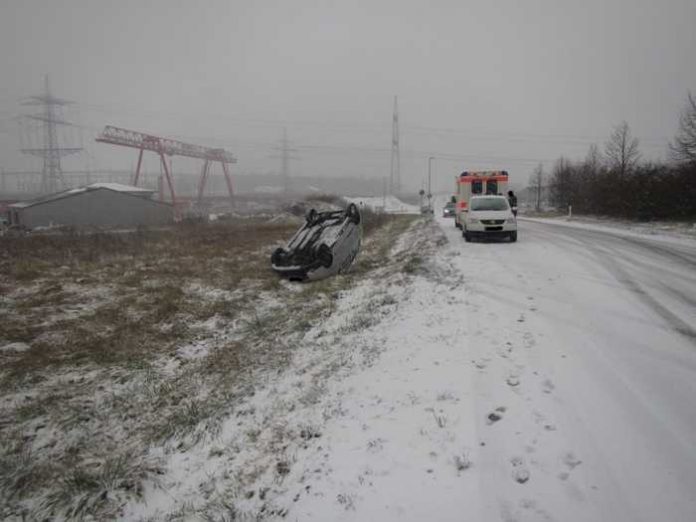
(481, 183)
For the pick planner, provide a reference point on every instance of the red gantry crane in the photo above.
(166, 146)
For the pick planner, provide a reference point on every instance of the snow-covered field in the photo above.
(549, 379)
(388, 204)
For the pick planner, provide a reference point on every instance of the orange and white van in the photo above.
(480, 183)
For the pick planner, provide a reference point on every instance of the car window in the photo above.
(489, 204)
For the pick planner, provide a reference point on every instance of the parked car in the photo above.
(448, 209)
(489, 217)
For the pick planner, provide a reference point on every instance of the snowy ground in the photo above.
(129, 359)
(388, 204)
(658, 230)
(552, 379)
(549, 379)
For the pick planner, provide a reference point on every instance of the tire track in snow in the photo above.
(611, 256)
(645, 385)
(663, 311)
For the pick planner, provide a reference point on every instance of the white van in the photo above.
(489, 216)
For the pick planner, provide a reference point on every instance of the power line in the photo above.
(480, 134)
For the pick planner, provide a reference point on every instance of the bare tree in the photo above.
(621, 151)
(590, 173)
(562, 183)
(593, 160)
(536, 185)
(684, 147)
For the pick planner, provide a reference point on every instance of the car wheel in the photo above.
(277, 256)
(311, 215)
(353, 213)
(466, 236)
(513, 237)
(325, 256)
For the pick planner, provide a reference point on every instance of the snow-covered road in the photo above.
(609, 324)
(550, 379)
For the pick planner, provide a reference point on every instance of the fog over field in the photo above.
(480, 84)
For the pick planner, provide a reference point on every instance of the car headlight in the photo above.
(511, 221)
(472, 220)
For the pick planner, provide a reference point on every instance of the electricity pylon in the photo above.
(395, 174)
(51, 151)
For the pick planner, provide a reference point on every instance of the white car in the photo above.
(489, 216)
(325, 245)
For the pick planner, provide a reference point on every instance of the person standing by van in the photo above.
(512, 199)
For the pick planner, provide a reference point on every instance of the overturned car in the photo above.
(326, 245)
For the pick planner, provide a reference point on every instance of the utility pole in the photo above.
(51, 151)
(395, 174)
(285, 158)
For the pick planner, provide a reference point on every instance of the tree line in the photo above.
(617, 182)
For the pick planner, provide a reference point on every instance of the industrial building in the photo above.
(95, 205)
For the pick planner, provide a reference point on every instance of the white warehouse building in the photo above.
(95, 205)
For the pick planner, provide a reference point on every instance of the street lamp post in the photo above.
(430, 192)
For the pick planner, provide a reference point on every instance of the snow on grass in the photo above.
(15, 347)
(86, 398)
(241, 471)
(165, 354)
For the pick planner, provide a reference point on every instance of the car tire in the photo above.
(513, 237)
(325, 256)
(277, 256)
(466, 236)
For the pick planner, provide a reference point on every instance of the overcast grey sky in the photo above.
(481, 84)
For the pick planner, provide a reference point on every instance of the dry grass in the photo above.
(107, 319)
(143, 275)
